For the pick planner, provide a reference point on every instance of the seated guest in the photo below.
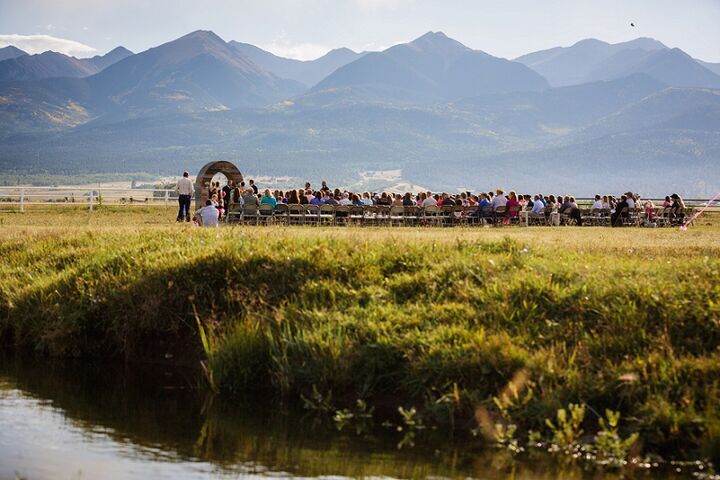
(249, 198)
(292, 198)
(208, 214)
(484, 202)
(527, 202)
(463, 200)
(598, 204)
(447, 201)
(407, 200)
(366, 199)
(619, 213)
(429, 200)
(649, 208)
(630, 200)
(667, 202)
(384, 200)
(512, 201)
(606, 202)
(268, 199)
(345, 199)
(538, 208)
(499, 199)
(328, 199)
(309, 196)
(677, 208)
(356, 201)
(570, 208)
(237, 198)
(316, 199)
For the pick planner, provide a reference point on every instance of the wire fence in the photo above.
(20, 198)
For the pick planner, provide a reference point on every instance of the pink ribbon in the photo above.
(684, 226)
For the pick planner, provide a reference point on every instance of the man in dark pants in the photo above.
(227, 190)
(616, 219)
(184, 189)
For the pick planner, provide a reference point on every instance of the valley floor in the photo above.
(621, 319)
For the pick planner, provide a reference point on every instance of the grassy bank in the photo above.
(620, 319)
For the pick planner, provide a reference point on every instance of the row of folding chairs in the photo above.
(435, 216)
(359, 215)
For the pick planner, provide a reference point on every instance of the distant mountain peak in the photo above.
(10, 52)
(204, 37)
(201, 33)
(590, 42)
(434, 38)
(644, 43)
(432, 35)
(341, 50)
(436, 41)
(119, 49)
(101, 62)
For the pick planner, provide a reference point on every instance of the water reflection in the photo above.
(91, 421)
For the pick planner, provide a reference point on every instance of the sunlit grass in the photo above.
(388, 315)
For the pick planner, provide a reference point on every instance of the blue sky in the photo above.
(308, 28)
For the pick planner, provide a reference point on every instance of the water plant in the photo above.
(610, 448)
(567, 429)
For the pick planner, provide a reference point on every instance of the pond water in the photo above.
(79, 420)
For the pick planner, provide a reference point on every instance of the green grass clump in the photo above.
(624, 320)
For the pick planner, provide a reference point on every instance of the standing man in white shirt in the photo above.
(184, 189)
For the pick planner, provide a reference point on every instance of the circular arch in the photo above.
(205, 175)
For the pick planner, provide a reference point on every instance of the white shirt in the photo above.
(498, 201)
(538, 207)
(345, 201)
(631, 203)
(598, 204)
(184, 186)
(209, 215)
(429, 201)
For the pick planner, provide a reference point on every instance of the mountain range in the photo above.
(592, 60)
(49, 64)
(631, 115)
(429, 69)
(307, 72)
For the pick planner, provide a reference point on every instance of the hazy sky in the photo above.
(309, 28)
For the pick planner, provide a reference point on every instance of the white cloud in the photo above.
(298, 51)
(42, 43)
(283, 47)
(375, 5)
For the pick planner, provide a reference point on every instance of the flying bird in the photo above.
(632, 24)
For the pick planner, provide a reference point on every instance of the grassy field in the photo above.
(442, 320)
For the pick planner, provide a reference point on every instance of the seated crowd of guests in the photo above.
(488, 203)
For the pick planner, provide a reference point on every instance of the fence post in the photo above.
(92, 197)
(22, 199)
(167, 197)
